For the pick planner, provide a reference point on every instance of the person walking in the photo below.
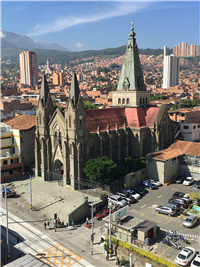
(58, 221)
(87, 220)
(45, 225)
(48, 227)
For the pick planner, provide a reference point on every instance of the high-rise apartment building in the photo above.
(175, 51)
(191, 50)
(184, 50)
(28, 68)
(170, 71)
(58, 78)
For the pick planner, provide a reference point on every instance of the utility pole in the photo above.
(131, 260)
(8, 245)
(92, 234)
(110, 250)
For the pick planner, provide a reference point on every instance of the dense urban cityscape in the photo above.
(100, 159)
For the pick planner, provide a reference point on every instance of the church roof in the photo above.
(44, 91)
(131, 77)
(74, 90)
(134, 117)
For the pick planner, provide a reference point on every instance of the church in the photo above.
(65, 141)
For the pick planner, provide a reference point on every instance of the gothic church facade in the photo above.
(65, 141)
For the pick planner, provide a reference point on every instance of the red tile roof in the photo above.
(177, 149)
(134, 117)
(22, 122)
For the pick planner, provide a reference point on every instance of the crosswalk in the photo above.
(39, 244)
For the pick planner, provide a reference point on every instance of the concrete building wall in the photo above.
(135, 178)
(190, 131)
(170, 71)
(155, 170)
(27, 145)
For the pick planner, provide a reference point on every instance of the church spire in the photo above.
(74, 90)
(44, 91)
(131, 77)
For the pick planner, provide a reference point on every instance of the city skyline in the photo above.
(82, 25)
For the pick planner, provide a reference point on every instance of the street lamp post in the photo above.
(30, 190)
(110, 230)
(7, 237)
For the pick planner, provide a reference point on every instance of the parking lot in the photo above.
(144, 209)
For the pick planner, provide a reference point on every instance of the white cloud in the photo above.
(114, 10)
(79, 45)
(2, 35)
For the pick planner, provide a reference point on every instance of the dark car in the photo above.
(197, 184)
(139, 190)
(180, 179)
(178, 195)
(196, 202)
(183, 203)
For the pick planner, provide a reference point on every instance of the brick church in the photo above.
(65, 141)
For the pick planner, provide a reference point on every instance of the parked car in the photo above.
(157, 183)
(176, 206)
(186, 197)
(178, 195)
(147, 184)
(185, 256)
(139, 190)
(197, 184)
(183, 203)
(126, 196)
(190, 221)
(188, 181)
(132, 193)
(114, 199)
(166, 210)
(196, 202)
(196, 262)
(180, 179)
(103, 214)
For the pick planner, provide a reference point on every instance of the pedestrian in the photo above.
(3, 193)
(48, 227)
(45, 225)
(87, 220)
(58, 221)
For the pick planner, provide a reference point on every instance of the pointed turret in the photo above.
(131, 77)
(74, 90)
(44, 92)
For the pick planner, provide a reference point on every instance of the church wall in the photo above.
(132, 98)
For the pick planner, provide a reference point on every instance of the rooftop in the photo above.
(22, 122)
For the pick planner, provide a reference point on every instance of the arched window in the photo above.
(140, 101)
(81, 149)
(119, 101)
(60, 139)
(55, 138)
(146, 100)
(40, 118)
(127, 101)
(69, 121)
(123, 101)
(80, 122)
(143, 100)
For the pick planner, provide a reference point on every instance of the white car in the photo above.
(133, 193)
(196, 262)
(188, 181)
(158, 183)
(185, 256)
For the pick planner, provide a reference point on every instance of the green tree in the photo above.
(113, 66)
(101, 169)
(88, 105)
(135, 164)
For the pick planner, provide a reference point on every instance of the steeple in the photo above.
(44, 91)
(131, 77)
(74, 90)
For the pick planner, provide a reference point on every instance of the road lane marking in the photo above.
(164, 251)
(143, 206)
(159, 196)
(179, 225)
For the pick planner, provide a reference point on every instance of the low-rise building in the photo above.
(181, 157)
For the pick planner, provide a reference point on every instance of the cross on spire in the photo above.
(132, 25)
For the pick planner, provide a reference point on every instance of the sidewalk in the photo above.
(50, 198)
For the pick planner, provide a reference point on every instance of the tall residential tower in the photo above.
(28, 68)
(170, 71)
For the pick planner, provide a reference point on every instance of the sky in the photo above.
(95, 25)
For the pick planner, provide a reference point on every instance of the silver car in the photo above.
(166, 210)
(190, 221)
